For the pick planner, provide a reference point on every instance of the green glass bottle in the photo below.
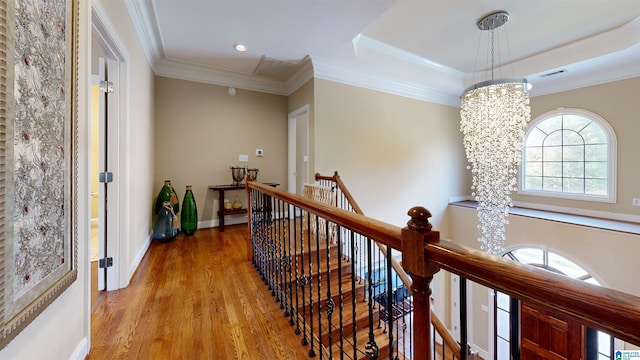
(164, 195)
(167, 193)
(189, 215)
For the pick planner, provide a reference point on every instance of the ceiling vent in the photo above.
(553, 73)
(277, 69)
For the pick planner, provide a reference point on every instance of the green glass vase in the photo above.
(189, 215)
(167, 193)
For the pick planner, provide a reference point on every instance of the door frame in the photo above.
(293, 151)
(103, 31)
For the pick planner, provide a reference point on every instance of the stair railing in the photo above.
(331, 281)
(346, 201)
(273, 222)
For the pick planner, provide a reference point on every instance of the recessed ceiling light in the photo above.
(240, 47)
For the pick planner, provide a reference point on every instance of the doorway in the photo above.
(105, 175)
(298, 149)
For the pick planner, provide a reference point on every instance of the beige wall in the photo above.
(200, 130)
(391, 151)
(616, 102)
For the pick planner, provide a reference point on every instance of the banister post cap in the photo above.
(419, 219)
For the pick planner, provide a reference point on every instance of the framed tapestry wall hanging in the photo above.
(38, 157)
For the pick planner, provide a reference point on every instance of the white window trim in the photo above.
(612, 160)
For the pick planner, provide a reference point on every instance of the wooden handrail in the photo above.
(604, 309)
(350, 199)
(377, 230)
(614, 312)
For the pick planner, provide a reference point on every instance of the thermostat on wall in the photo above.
(259, 152)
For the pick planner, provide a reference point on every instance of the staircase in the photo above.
(331, 284)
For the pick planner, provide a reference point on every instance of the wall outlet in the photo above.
(259, 152)
(636, 202)
(243, 157)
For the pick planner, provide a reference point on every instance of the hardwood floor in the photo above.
(194, 298)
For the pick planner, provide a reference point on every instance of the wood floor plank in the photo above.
(196, 297)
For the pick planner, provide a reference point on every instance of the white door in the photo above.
(107, 172)
(298, 149)
(106, 64)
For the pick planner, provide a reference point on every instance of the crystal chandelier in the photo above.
(494, 116)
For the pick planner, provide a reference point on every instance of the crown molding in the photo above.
(191, 72)
(404, 79)
(142, 14)
(360, 77)
(300, 77)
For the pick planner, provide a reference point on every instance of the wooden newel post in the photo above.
(249, 223)
(414, 238)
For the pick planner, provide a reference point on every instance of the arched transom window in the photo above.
(569, 153)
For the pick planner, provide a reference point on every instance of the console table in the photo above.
(221, 210)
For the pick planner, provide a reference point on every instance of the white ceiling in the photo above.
(424, 49)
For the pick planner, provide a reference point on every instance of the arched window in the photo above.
(569, 153)
(553, 262)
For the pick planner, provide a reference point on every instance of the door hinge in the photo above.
(106, 177)
(105, 262)
(106, 86)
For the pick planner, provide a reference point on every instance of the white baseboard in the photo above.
(138, 258)
(81, 351)
(216, 223)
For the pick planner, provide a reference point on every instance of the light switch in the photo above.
(243, 157)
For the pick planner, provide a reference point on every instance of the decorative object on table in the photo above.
(166, 226)
(238, 173)
(189, 214)
(167, 193)
(227, 204)
(237, 204)
(252, 174)
(494, 115)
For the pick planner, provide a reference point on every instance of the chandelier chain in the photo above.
(493, 52)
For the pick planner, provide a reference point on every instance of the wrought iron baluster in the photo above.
(267, 245)
(289, 311)
(277, 249)
(303, 282)
(297, 264)
(312, 352)
(390, 300)
(273, 257)
(353, 291)
(284, 260)
(433, 345)
(371, 348)
(330, 304)
(340, 293)
(463, 319)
